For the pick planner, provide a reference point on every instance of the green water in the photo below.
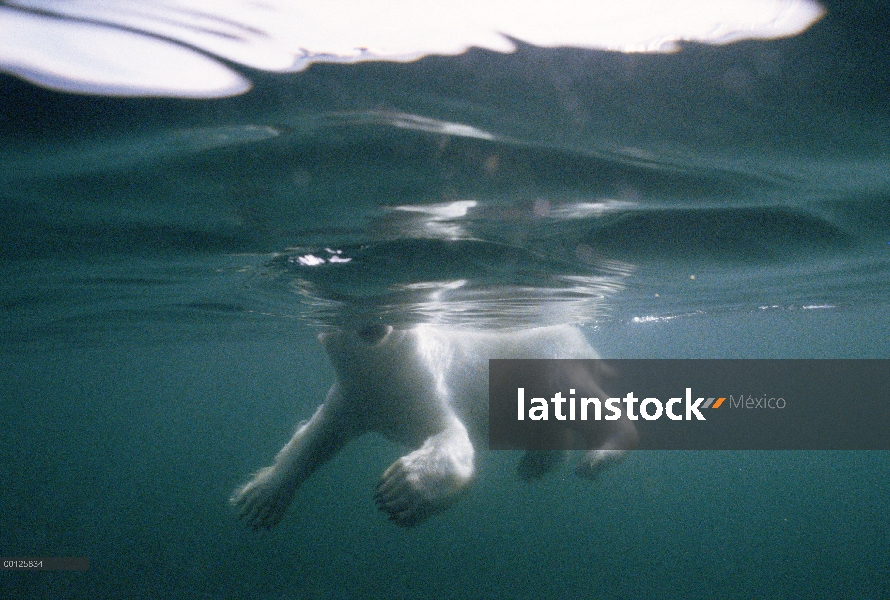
(125, 448)
(157, 326)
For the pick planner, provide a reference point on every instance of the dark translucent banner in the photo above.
(690, 404)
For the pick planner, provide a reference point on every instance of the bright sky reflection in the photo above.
(169, 47)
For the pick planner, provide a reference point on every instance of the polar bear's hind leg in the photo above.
(613, 450)
(537, 463)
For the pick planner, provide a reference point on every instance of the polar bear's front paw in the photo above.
(421, 484)
(262, 502)
(595, 462)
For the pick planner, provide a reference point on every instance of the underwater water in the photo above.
(165, 266)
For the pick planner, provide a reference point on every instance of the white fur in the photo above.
(426, 388)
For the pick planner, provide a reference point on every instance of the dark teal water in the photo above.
(157, 322)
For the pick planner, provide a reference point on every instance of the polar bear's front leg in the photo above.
(263, 501)
(428, 480)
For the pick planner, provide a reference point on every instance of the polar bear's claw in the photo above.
(415, 488)
(263, 501)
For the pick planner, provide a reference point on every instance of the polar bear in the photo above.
(427, 388)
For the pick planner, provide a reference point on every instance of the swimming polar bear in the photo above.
(427, 388)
